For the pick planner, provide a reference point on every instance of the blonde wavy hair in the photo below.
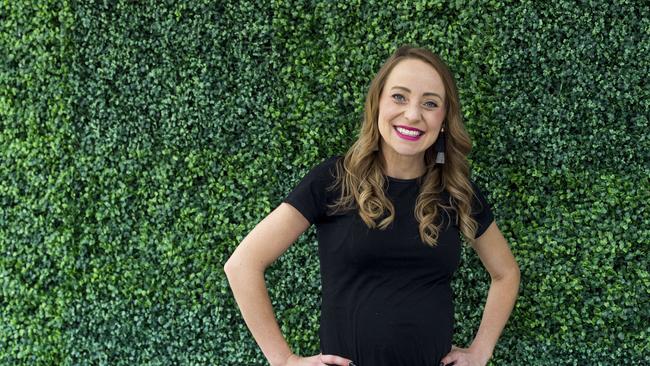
(360, 174)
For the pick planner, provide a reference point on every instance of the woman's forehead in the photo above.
(417, 76)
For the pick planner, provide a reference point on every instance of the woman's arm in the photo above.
(497, 258)
(245, 271)
(492, 248)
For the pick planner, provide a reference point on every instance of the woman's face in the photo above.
(413, 97)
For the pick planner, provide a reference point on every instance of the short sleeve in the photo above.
(309, 196)
(481, 210)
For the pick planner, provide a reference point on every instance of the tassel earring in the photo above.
(440, 147)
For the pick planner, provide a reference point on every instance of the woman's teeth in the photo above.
(409, 132)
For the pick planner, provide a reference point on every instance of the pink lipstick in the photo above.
(408, 137)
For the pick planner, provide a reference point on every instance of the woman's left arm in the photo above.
(492, 248)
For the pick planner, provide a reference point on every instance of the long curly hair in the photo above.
(360, 174)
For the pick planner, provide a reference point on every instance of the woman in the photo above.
(389, 215)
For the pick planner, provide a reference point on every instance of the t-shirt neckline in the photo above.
(400, 180)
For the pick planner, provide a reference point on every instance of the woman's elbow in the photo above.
(232, 266)
(228, 267)
(510, 274)
(514, 275)
(236, 265)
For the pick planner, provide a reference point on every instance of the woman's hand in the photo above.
(463, 357)
(318, 360)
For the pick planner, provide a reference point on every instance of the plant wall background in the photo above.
(140, 141)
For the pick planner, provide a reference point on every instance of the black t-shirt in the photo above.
(387, 296)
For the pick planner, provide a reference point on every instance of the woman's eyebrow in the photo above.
(409, 90)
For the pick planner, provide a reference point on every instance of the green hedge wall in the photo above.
(140, 142)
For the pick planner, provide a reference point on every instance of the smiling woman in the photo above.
(411, 109)
(389, 215)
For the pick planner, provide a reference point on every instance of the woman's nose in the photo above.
(412, 112)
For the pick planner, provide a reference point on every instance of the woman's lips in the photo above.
(406, 137)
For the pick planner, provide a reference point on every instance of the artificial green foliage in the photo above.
(141, 141)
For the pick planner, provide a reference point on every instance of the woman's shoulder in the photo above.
(476, 196)
(331, 160)
(326, 168)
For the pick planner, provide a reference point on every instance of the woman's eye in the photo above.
(430, 104)
(398, 97)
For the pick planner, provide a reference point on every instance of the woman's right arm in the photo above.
(245, 271)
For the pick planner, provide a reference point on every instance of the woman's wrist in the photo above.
(483, 354)
(283, 361)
